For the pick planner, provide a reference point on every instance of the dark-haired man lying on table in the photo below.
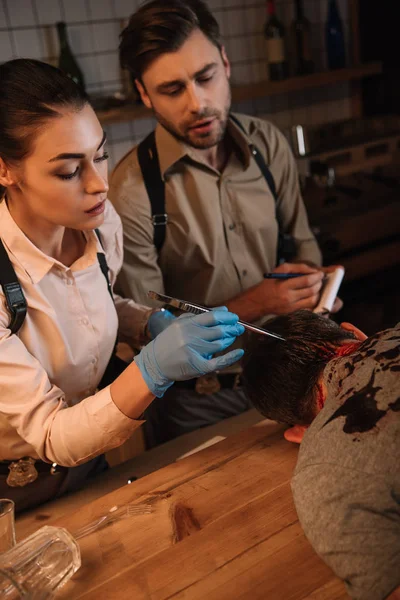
(341, 391)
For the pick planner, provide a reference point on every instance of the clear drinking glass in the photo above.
(39, 565)
(7, 525)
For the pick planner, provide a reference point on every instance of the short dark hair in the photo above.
(280, 378)
(162, 26)
(31, 92)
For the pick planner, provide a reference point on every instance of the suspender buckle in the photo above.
(16, 304)
(161, 219)
(15, 295)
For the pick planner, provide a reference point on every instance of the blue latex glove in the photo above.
(158, 321)
(184, 350)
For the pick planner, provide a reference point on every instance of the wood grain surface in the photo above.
(223, 527)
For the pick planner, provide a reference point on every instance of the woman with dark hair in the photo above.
(62, 404)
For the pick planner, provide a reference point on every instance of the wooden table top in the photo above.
(223, 527)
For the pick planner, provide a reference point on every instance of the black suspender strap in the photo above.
(101, 257)
(104, 269)
(17, 306)
(268, 178)
(259, 160)
(286, 244)
(264, 169)
(155, 187)
(115, 365)
(12, 289)
(15, 299)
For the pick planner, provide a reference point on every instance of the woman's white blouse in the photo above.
(50, 369)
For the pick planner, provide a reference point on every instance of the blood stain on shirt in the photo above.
(361, 411)
(391, 354)
(350, 367)
(395, 406)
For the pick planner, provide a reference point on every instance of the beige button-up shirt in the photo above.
(50, 369)
(221, 235)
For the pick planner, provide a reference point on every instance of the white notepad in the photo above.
(329, 291)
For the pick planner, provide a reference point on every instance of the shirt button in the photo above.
(93, 361)
(70, 281)
(85, 321)
(244, 272)
(232, 226)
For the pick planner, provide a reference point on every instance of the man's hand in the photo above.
(280, 296)
(283, 296)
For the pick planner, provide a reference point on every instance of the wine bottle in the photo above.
(335, 48)
(275, 35)
(301, 43)
(129, 88)
(66, 60)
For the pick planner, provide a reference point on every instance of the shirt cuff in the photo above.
(132, 321)
(108, 417)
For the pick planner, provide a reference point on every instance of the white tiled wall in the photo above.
(27, 28)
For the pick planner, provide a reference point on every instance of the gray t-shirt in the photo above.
(346, 484)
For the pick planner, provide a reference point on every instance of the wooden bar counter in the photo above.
(223, 527)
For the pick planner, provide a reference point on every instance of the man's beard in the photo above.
(199, 141)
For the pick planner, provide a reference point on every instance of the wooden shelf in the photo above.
(127, 112)
(295, 84)
(240, 93)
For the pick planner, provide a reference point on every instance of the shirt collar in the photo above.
(171, 150)
(29, 257)
(242, 143)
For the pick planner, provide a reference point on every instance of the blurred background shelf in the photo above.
(240, 93)
(295, 84)
(126, 112)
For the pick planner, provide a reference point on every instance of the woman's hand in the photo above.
(158, 321)
(185, 349)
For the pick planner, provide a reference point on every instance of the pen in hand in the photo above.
(283, 275)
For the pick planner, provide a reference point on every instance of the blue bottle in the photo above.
(335, 47)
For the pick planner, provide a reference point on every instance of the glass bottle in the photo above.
(66, 60)
(38, 566)
(335, 47)
(128, 81)
(7, 524)
(274, 33)
(302, 62)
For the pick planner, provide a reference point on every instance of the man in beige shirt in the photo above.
(222, 229)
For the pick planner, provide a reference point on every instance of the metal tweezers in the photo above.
(196, 309)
